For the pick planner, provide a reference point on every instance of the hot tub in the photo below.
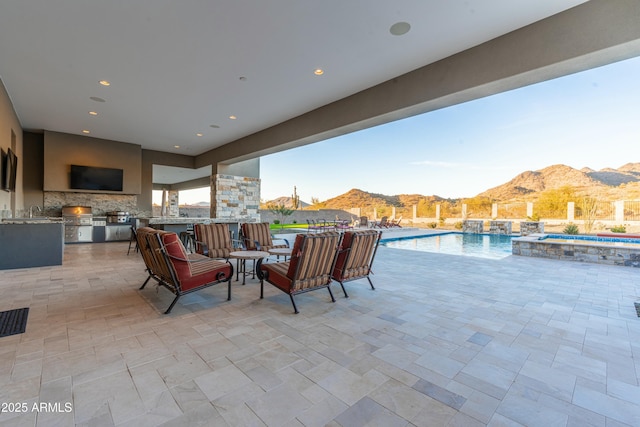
(621, 251)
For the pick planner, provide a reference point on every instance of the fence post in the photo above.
(571, 211)
(464, 211)
(438, 212)
(530, 209)
(494, 210)
(393, 212)
(618, 209)
(415, 212)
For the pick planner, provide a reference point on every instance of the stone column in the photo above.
(494, 210)
(437, 212)
(530, 209)
(415, 212)
(174, 204)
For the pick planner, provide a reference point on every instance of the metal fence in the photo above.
(596, 211)
(632, 210)
(512, 210)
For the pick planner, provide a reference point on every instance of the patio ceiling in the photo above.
(178, 70)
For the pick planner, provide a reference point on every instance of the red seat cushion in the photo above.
(192, 270)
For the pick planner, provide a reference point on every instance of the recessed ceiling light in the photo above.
(198, 134)
(85, 131)
(176, 146)
(214, 126)
(318, 71)
(105, 83)
(95, 98)
(400, 28)
(232, 117)
(93, 113)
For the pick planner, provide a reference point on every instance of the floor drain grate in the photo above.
(13, 322)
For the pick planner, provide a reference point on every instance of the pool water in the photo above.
(492, 246)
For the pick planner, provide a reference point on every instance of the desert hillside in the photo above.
(622, 183)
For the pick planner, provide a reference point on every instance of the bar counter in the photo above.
(31, 242)
(180, 224)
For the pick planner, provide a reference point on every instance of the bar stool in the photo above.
(132, 239)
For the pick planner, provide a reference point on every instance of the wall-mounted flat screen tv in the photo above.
(95, 178)
(9, 170)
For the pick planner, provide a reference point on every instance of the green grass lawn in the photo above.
(276, 227)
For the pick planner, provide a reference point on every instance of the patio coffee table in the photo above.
(241, 258)
(278, 252)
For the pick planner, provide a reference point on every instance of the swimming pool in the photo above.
(492, 246)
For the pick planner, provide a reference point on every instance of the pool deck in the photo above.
(444, 340)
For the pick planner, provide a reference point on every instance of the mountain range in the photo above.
(606, 184)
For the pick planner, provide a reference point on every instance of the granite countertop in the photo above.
(35, 220)
(185, 220)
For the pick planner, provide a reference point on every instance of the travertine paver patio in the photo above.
(443, 340)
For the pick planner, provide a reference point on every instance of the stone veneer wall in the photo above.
(531, 227)
(473, 226)
(100, 203)
(500, 227)
(236, 197)
(610, 255)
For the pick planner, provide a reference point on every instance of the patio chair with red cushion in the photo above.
(355, 257)
(308, 269)
(257, 237)
(213, 240)
(168, 263)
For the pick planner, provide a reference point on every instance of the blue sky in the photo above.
(589, 119)
(585, 119)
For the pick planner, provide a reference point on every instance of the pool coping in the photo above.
(596, 252)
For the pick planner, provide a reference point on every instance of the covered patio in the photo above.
(443, 340)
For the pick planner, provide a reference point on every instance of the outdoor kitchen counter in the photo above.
(31, 242)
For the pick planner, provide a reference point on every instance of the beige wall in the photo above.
(11, 134)
(150, 158)
(33, 162)
(61, 150)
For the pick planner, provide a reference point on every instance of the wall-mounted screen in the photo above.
(9, 170)
(94, 178)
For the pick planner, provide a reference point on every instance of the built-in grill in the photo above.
(78, 224)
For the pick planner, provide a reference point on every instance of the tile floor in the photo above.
(443, 341)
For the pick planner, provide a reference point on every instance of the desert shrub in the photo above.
(619, 229)
(571, 229)
(433, 224)
(553, 203)
(458, 225)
